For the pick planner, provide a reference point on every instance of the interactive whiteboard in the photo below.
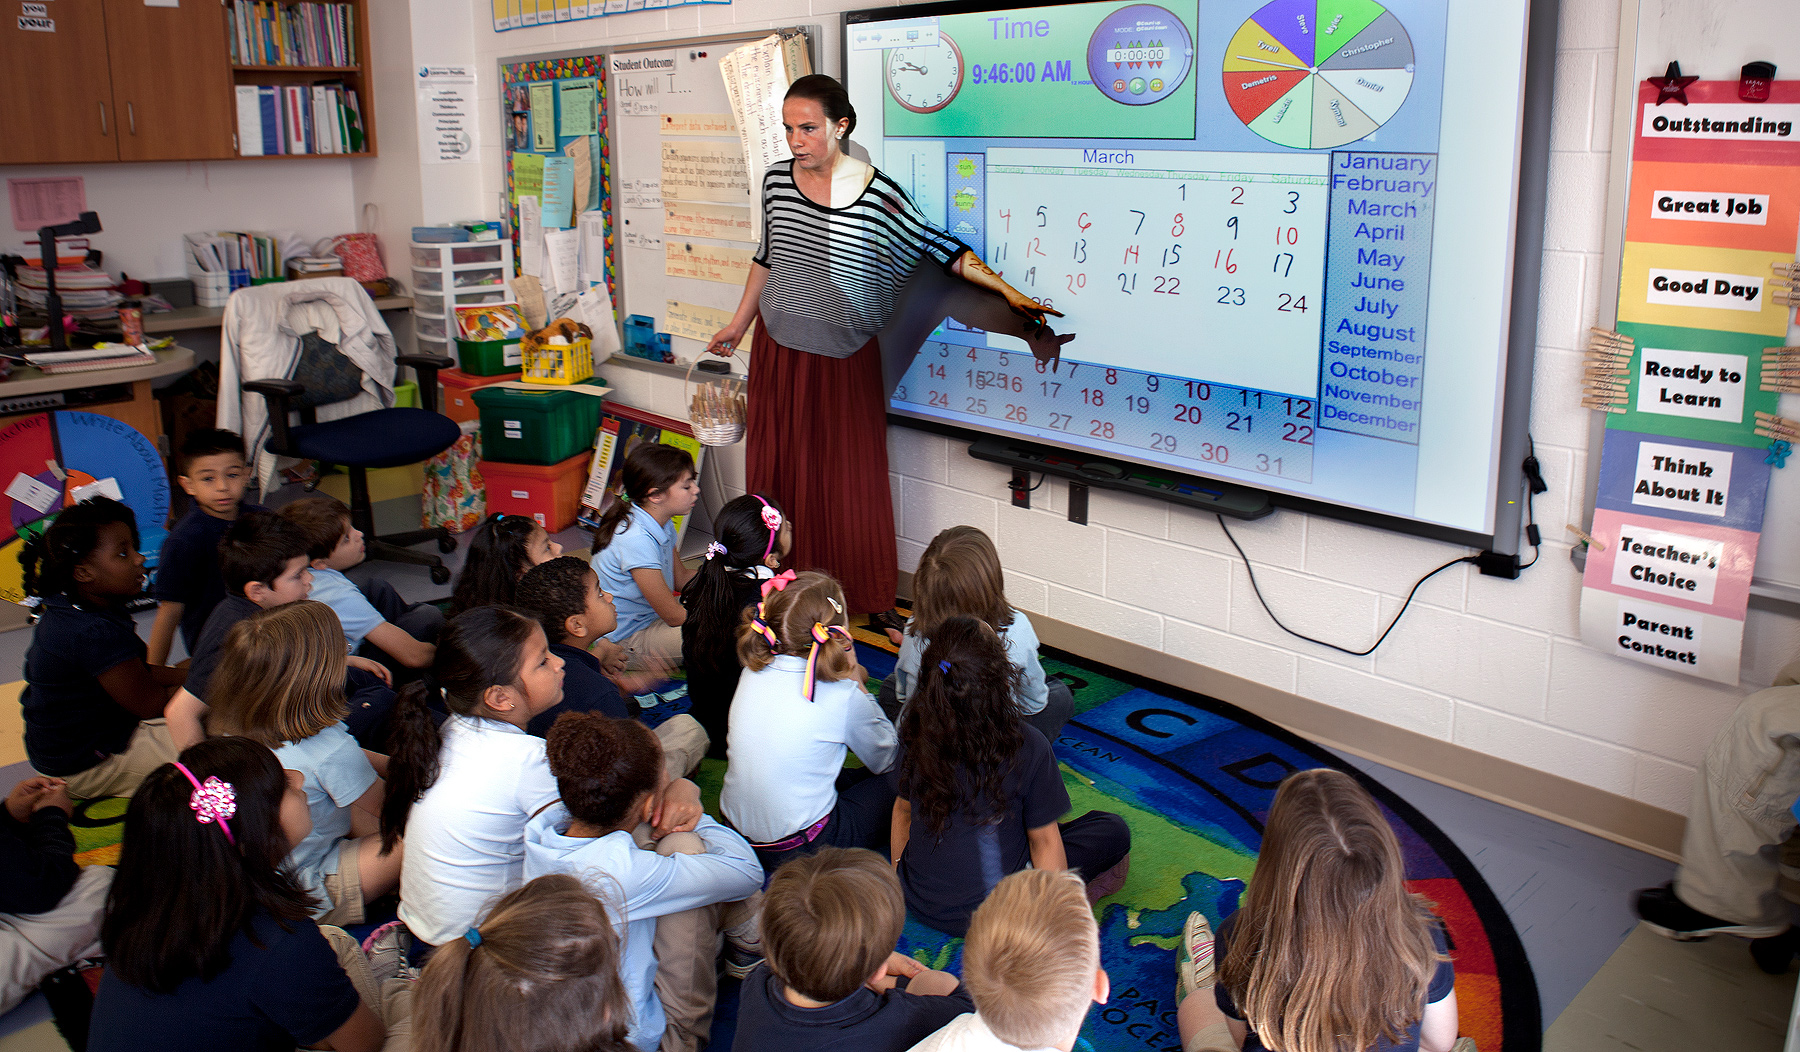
(1283, 231)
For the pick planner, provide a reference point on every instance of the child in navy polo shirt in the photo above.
(564, 595)
(832, 981)
(264, 560)
(94, 706)
(634, 554)
(212, 470)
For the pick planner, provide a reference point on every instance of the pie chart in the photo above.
(1316, 74)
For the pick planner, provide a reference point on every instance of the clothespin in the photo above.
(1586, 538)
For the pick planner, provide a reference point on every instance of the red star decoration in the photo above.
(1671, 85)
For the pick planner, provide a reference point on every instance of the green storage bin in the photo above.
(489, 358)
(406, 395)
(546, 426)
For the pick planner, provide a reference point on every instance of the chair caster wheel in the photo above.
(440, 575)
(446, 544)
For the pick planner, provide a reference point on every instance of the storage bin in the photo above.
(457, 392)
(550, 493)
(476, 277)
(487, 357)
(476, 297)
(488, 252)
(211, 288)
(429, 328)
(546, 426)
(559, 364)
(428, 303)
(428, 280)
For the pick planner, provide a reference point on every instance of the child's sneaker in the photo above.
(743, 947)
(1666, 915)
(1110, 881)
(1194, 958)
(387, 948)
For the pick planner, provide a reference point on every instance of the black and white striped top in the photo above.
(835, 274)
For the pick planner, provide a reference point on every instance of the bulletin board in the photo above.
(1711, 41)
(687, 245)
(554, 121)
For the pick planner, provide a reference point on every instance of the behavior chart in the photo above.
(1285, 256)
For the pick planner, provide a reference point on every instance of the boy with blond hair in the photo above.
(1032, 963)
(831, 981)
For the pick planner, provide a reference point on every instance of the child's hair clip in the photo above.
(834, 605)
(714, 548)
(944, 667)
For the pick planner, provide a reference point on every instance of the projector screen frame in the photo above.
(1525, 264)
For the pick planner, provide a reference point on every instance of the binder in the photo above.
(353, 110)
(271, 120)
(295, 115)
(249, 121)
(321, 136)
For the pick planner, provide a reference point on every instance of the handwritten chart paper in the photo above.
(704, 171)
(756, 80)
(690, 219)
(730, 266)
(696, 322)
(699, 124)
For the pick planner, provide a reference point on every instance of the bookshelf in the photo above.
(289, 44)
(119, 80)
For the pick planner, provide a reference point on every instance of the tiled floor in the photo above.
(1568, 893)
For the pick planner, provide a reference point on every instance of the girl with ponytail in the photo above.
(799, 705)
(634, 553)
(753, 537)
(461, 792)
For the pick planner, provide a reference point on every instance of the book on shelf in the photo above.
(325, 117)
(266, 33)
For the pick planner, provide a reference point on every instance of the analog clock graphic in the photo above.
(1317, 74)
(925, 78)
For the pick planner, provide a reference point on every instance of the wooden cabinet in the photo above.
(171, 80)
(56, 101)
(117, 80)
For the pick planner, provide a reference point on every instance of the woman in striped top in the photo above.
(840, 241)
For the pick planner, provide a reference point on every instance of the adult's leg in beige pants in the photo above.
(1739, 813)
(687, 953)
(684, 744)
(121, 773)
(390, 999)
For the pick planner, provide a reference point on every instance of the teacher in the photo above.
(839, 242)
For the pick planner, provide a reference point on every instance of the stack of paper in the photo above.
(259, 253)
(85, 292)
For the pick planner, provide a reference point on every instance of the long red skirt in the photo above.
(817, 433)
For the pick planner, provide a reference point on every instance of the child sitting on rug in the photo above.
(799, 705)
(1032, 964)
(503, 548)
(634, 553)
(286, 671)
(960, 575)
(263, 558)
(212, 471)
(978, 789)
(542, 971)
(94, 707)
(209, 940)
(564, 595)
(670, 894)
(50, 908)
(1330, 951)
(753, 538)
(403, 641)
(832, 982)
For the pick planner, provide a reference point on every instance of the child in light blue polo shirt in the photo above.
(634, 554)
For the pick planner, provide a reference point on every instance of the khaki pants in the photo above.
(1740, 810)
(391, 999)
(687, 952)
(121, 773)
(345, 887)
(654, 648)
(684, 744)
(32, 945)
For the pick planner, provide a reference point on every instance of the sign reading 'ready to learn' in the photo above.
(1698, 384)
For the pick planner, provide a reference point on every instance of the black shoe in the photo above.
(889, 622)
(1774, 954)
(1668, 916)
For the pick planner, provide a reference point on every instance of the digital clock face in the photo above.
(1140, 54)
(924, 79)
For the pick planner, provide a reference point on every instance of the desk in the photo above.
(136, 407)
(187, 318)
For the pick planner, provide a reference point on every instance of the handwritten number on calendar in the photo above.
(1284, 263)
(1162, 442)
(1005, 215)
(1101, 429)
(1167, 286)
(1136, 230)
(1050, 388)
(976, 405)
(935, 371)
(1043, 216)
(1289, 303)
(1077, 282)
(940, 399)
(1128, 283)
(1293, 202)
(1137, 404)
(1060, 421)
(1231, 224)
(1187, 414)
(1231, 297)
(1297, 433)
(1237, 195)
(1287, 235)
(1080, 253)
(1171, 255)
(1093, 396)
(1177, 227)
(1247, 421)
(1298, 407)
(1016, 413)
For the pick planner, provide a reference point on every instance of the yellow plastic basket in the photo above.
(557, 364)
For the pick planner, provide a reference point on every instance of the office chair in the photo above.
(381, 438)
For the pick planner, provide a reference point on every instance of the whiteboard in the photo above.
(1711, 40)
(653, 87)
